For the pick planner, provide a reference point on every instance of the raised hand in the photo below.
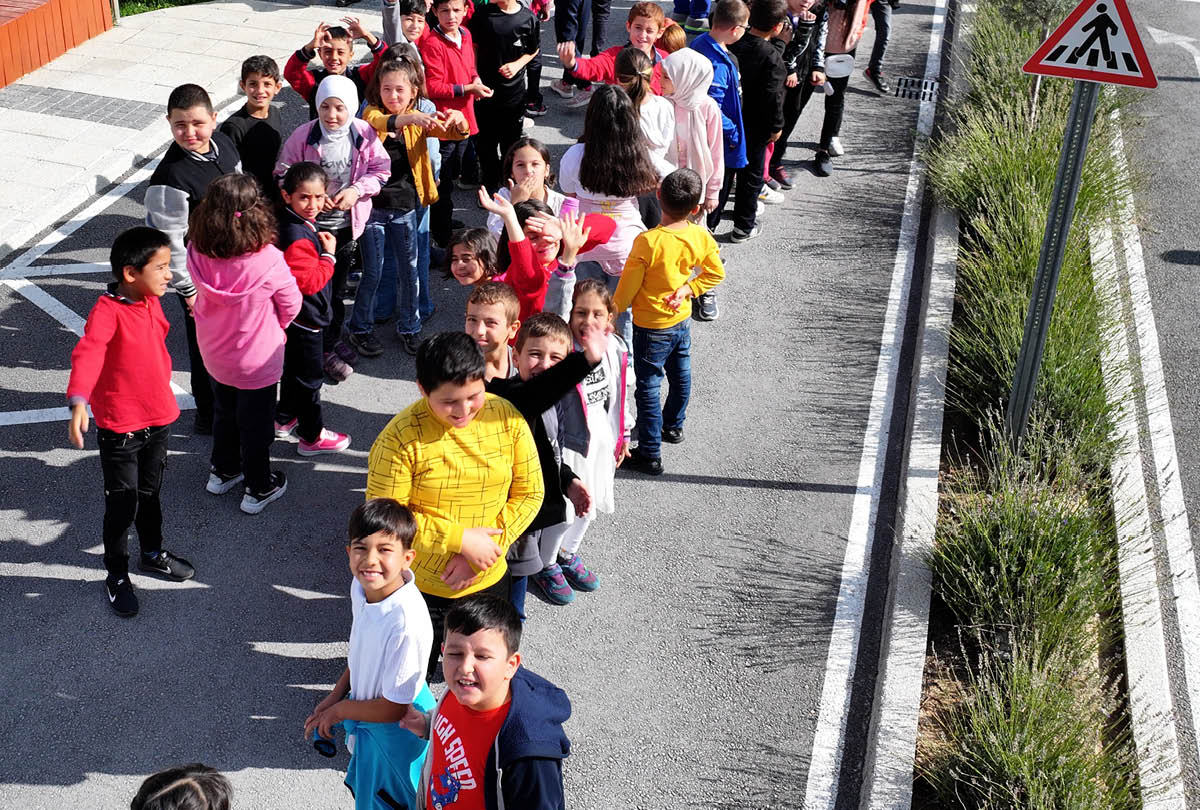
(574, 236)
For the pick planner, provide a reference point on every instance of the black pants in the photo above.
(243, 430)
(881, 15)
(650, 209)
(300, 388)
(442, 212)
(533, 82)
(343, 260)
(600, 10)
(835, 105)
(499, 127)
(201, 382)
(794, 99)
(132, 464)
(745, 185)
(570, 25)
(439, 606)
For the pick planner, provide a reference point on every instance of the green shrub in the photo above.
(1023, 545)
(1034, 735)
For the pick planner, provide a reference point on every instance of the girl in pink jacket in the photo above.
(246, 297)
(357, 166)
(698, 144)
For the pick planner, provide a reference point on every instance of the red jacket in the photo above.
(603, 67)
(528, 276)
(121, 365)
(304, 81)
(447, 68)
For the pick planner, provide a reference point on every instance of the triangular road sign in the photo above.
(1097, 43)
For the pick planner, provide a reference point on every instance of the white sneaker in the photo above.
(770, 197)
(582, 97)
(835, 147)
(760, 209)
(561, 88)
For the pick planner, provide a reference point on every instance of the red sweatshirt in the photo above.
(304, 81)
(528, 276)
(447, 68)
(121, 366)
(603, 67)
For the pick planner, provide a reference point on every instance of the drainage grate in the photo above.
(920, 89)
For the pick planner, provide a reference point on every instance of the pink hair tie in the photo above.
(237, 213)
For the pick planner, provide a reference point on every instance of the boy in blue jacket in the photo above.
(498, 732)
(729, 18)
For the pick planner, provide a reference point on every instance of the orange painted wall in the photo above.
(34, 32)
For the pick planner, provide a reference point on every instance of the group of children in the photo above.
(488, 483)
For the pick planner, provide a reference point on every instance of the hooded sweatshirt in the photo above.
(697, 143)
(244, 305)
(528, 750)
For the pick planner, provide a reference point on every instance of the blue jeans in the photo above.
(697, 9)
(516, 594)
(623, 325)
(385, 298)
(658, 353)
(882, 17)
(389, 246)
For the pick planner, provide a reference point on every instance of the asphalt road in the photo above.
(1161, 149)
(694, 671)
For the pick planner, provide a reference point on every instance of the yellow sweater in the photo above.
(484, 474)
(417, 148)
(661, 262)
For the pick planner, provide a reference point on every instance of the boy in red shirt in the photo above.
(335, 45)
(497, 738)
(122, 368)
(452, 81)
(644, 23)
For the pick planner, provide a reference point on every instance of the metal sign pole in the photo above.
(1054, 244)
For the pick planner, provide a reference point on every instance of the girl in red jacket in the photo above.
(310, 256)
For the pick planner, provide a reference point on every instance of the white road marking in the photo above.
(183, 399)
(893, 741)
(1187, 43)
(829, 738)
(1145, 640)
(1175, 527)
(73, 269)
(300, 593)
(47, 303)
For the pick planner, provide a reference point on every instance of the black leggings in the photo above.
(133, 465)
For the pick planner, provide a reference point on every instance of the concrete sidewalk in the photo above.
(77, 125)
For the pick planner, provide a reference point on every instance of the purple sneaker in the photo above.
(577, 574)
(552, 585)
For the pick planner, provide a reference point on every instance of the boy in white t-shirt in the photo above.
(390, 642)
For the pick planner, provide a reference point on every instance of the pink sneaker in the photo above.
(327, 442)
(285, 429)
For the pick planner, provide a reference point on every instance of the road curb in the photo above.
(892, 738)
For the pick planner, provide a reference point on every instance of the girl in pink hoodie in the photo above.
(246, 297)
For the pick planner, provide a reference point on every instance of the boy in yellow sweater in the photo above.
(657, 281)
(464, 462)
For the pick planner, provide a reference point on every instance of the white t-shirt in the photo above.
(657, 116)
(553, 199)
(624, 210)
(336, 159)
(390, 642)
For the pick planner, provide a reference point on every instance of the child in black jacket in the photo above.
(763, 84)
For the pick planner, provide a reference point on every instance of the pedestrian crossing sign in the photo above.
(1096, 43)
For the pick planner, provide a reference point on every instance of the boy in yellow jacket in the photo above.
(657, 281)
(465, 463)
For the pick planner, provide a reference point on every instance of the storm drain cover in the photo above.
(919, 89)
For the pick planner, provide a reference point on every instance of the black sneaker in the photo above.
(643, 464)
(121, 597)
(255, 502)
(822, 165)
(772, 184)
(166, 564)
(535, 109)
(410, 343)
(737, 235)
(672, 435)
(365, 344)
(219, 483)
(781, 176)
(704, 307)
(879, 80)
